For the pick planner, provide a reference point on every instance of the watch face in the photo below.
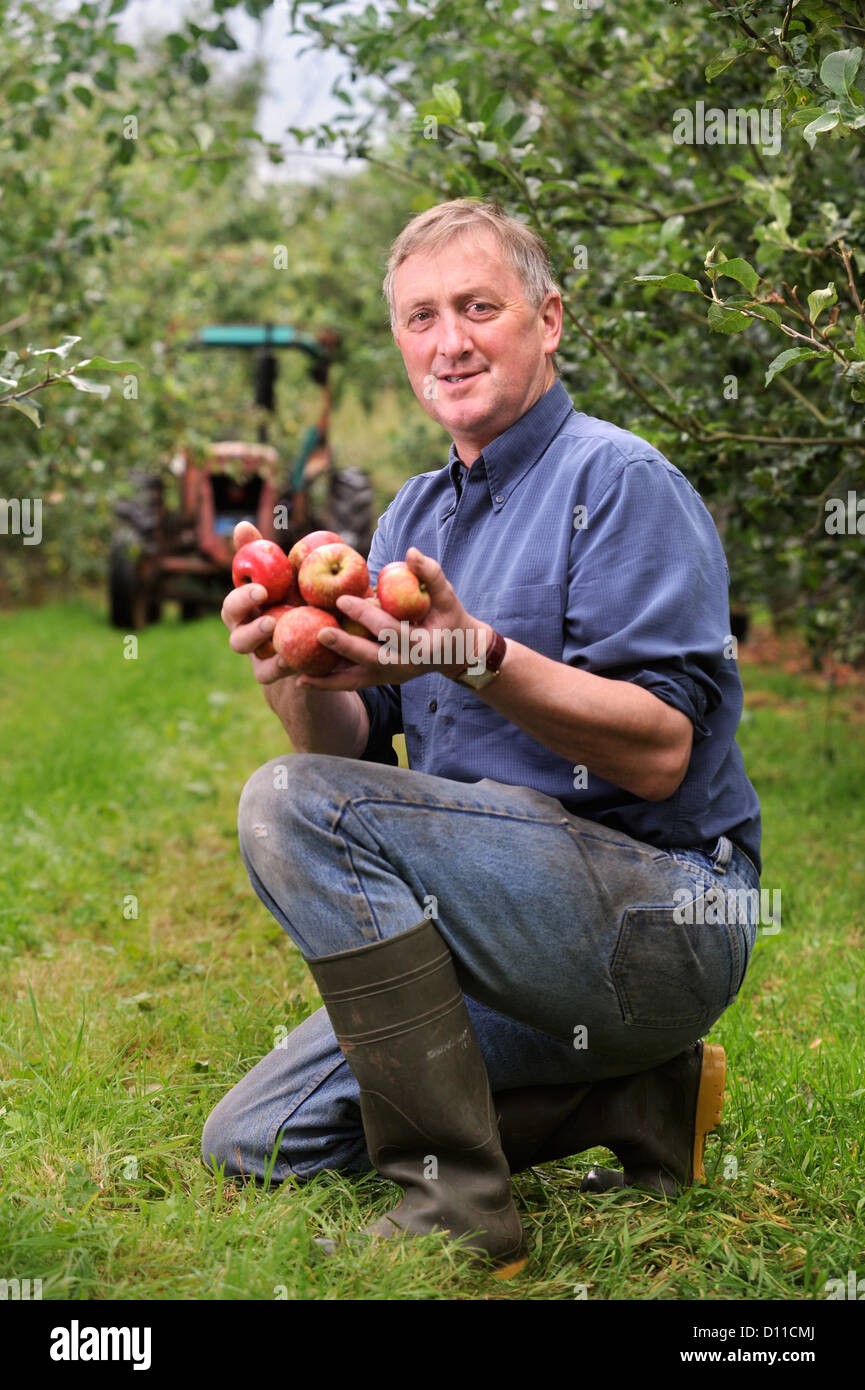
(478, 682)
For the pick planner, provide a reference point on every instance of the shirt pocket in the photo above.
(532, 614)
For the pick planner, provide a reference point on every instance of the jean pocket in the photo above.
(676, 965)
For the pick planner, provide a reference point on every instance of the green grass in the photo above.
(120, 1031)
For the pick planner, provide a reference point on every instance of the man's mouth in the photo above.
(454, 378)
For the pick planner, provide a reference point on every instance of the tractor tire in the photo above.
(350, 507)
(130, 595)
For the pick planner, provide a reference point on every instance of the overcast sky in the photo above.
(298, 87)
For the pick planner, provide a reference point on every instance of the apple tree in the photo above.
(696, 171)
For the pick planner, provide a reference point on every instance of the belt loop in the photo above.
(722, 853)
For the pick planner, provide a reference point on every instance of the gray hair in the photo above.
(519, 245)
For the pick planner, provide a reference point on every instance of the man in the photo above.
(527, 910)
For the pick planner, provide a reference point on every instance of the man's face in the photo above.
(461, 313)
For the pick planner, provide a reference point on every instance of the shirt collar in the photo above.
(509, 456)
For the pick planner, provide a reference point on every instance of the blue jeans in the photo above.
(583, 953)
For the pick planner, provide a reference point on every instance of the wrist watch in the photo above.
(495, 655)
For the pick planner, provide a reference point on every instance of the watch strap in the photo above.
(493, 658)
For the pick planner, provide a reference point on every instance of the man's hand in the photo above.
(248, 625)
(362, 657)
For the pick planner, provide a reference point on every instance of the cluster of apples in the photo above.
(304, 585)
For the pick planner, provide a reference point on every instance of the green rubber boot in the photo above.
(400, 1018)
(654, 1121)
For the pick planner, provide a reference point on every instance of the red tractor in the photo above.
(185, 554)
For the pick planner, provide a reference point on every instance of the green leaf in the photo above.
(199, 72)
(724, 320)
(21, 91)
(763, 311)
(827, 121)
(859, 338)
(94, 388)
(670, 282)
(448, 99)
(671, 228)
(222, 37)
(219, 170)
(107, 364)
(177, 44)
(722, 61)
(805, 114)
(818, 300)
(740, 270)
(203, 133)
(780, 208)
(786, 359)
(30, 409)
(67, 343)
(838, 70)
(83, 94)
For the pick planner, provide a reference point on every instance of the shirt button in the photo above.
(500, 498)
(433, 706)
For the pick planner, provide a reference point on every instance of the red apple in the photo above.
(302, 548)
(355, 628)
(401, 593)
(296, 639)
(330, 571)
(275, 611)
(263, 562)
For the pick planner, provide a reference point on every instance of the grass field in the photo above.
(141, 978)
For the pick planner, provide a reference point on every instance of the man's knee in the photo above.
(227, 1144)
(220, 1147)
(287, 786)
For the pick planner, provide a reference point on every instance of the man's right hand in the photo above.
(248, 626)
(316, 721)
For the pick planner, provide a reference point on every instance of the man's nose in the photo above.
(453, 337)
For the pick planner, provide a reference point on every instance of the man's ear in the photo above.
(552, 316)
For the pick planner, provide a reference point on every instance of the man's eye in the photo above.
(480, 304)
(416, 315)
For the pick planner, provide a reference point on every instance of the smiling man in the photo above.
(518, 938)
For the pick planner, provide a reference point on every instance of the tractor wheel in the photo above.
(350, 507)
(130, 593)
(143, 511)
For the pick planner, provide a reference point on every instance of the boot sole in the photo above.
(710, 1104)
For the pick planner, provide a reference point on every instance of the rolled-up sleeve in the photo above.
(648, 590)
(382, 702)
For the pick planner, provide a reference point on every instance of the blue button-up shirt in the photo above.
(581, 541)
